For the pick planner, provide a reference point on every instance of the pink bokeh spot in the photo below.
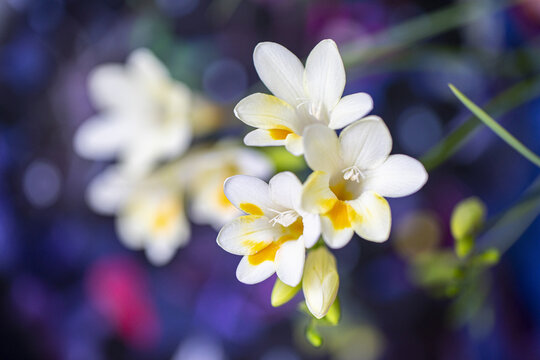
(118, 288)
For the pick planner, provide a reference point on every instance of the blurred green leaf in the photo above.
(509, 227)
(438, 271)
(284, 160)
(497, 129)
(283, 293)
(406, 34)
(313, 336)
(500, 105)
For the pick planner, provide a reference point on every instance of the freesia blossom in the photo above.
(153, 219)
(149, 210)
(208, 168)
(143, 114)
(303, 96)
(352, 175)
(273, 234)
(321, 281)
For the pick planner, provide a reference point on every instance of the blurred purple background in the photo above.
(70, 290)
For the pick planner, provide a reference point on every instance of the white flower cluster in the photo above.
(345, 194)
(146, 122)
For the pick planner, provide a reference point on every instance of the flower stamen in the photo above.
(284, 218)
(353, 173)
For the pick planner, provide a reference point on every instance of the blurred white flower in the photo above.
(154, 219)
(207, 170)
(143, 114)
(149, 211)
(321, 281)
(274, 234)
(302, 96)
(351, 175)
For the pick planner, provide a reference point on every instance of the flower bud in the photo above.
(321, 281)
(282, 293)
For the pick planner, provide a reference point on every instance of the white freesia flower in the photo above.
(321, 281)
(273, 235)
(302, 96)
(351, 175)
(143, 114)
(149, 211)
(208, 169)
(154, 219)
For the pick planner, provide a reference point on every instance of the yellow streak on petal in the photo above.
(251, 209)
(222, 199)
(292, 232)
(165, 215)
(279, 134)
(256, 246)
(269, 252)
(342, 215)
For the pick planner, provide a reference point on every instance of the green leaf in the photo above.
(334, 314)
(283, 293)
(313, 336)
(467, 219)
(499, 105)
(509, 227)
(408, 33)
(497, 129)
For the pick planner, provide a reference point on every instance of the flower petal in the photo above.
(246, 235)
(366, 143)
(325, 75)
(349, 109)
(294, 144)
(101, 137)
(108, 191)
(261, 137)
(146, 67)
(266, 112)
(249, 194)
(334, 235)
(312, 229)
(110, 86)
(286, 190)
(280, 70)
(373, 219)
(252, 274)
(399, 175)
(289, 262)
(317, 197)
(321, 149)
(254, 163)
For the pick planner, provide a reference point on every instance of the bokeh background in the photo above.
(70, 290)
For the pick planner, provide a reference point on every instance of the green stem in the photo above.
(497, 129)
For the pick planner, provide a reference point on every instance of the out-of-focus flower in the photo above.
(321, 281)
(149, 211)
(144, 114)
(351, 175)
(273, 236)
(207, 170)
(154, 219)
(302, 96)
